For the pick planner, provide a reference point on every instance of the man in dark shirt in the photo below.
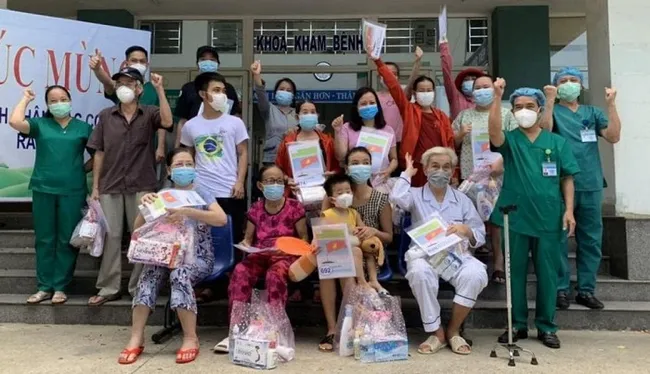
(189, 104)
(123, 170)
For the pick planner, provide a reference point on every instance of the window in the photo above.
(402, 36)
(338, 37)
(165, 36)
(226, 36)
(477, 33)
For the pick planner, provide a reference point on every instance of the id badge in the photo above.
(549, 169)
(588, 136)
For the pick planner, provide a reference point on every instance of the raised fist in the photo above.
(256, 68)
(96, 60)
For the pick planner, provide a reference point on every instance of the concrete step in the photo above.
(24, 281)
(608, 288)
(17, 238)
(25, 259)
(486, 314)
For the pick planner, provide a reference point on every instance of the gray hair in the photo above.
(439, 151)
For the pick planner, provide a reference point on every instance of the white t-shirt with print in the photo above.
(215, 142)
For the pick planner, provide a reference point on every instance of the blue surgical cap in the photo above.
(530, 92)
(568, 71)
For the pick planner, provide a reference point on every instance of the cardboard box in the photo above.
(257, 354)
(385, 350)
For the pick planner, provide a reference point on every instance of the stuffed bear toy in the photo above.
(306, 264)
(375, 247)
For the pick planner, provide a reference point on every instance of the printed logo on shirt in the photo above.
(210, 146)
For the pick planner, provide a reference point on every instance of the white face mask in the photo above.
(141, 68)
(125, 94)
(219, 102)
(344, 201)
(425, 99)
(526, 118)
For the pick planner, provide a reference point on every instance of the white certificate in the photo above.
(306, 163)
(442, 23)
(374, 35)
(171, 198)
(431, 235)
(378, 143)
(334, 258)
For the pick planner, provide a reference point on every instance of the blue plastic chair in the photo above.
(404, 243)
(224, 259)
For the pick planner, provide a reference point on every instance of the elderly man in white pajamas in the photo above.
(459, 212)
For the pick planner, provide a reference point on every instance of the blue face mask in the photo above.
(273, 192)
(183, 176)
(359, 173)
(308, 122)
(283, 97)
(467, 88)
(483, 96)
(208, 66)
(368, 112)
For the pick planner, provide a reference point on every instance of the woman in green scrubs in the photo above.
(538, 179)
(58, 187)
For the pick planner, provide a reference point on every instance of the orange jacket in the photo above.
(327, 146)
(412, 116)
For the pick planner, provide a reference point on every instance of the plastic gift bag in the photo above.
(483, 190)
(164, 242)
(371, 327)
(91, 231)
(260, 333)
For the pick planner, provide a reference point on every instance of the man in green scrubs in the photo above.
(138, 58)
(58, 185)
(539, 166)
(581, 125)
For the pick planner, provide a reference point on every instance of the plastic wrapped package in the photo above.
(483, 190)
(312, 200)
(373, 325)
(260, 333)
(91, 231)
(164, 242)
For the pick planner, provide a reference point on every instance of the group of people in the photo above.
(549, 164)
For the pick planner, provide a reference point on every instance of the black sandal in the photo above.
(328, 339)
(499, 277)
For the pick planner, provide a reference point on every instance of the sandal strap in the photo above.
(457, 341)
(328, 339)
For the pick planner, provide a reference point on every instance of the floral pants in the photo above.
(181, 279)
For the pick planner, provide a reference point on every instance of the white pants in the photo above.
(470, 279)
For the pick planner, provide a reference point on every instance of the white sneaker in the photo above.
(222, 346)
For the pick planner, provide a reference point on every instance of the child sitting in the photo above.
(268, 219)
(339, 192)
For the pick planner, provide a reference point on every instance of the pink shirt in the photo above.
(391, 114)
(269, 227)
